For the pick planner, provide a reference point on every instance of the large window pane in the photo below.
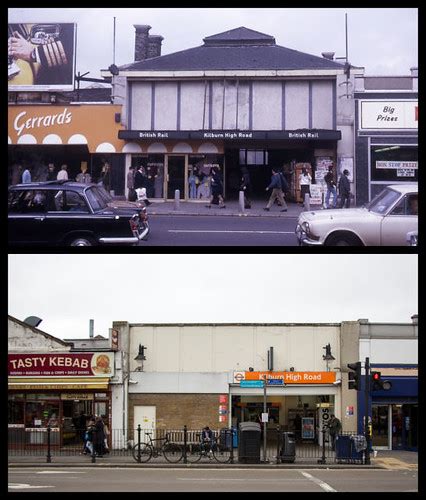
(394, 163)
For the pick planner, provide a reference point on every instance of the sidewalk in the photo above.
(231, 209)
(385, 459)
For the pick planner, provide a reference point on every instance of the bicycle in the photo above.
(143, 452)
(214, 449)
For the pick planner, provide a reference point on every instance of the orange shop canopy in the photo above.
(93, 125)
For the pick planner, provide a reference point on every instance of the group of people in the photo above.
(94, 434)
(145, 182)
(41, 172)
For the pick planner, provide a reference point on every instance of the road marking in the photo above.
(21, 486)
(244, 480)
(394, 464)
(60, 472)
(324, 486)
(226, 231)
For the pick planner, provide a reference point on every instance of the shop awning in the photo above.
(27, 383)
(94, 125)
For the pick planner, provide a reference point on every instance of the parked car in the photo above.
(71, 214)
(385, 221)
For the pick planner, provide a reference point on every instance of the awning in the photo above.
(57, 383)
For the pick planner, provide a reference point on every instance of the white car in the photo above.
(385, 221)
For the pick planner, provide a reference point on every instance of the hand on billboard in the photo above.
(20, 48)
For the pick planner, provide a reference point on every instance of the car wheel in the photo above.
(81, 242)
(343, 240)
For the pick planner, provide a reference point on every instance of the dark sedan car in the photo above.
(71, 214)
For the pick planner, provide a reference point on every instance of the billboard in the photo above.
(41, 56)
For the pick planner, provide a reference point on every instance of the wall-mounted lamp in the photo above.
(141, 354)
(328, 356)
(251, 369)
(292, 368)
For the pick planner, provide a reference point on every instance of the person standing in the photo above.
(334, 428)
(245, 186)
(277, 192)
(106, 177)
(193, 182)
(26, 175)
(331, 187)
(51, 174)
(131, 196)
(345, 190)
(305, 180)
(217, 188)
(99, 441)
(90, 437)
(84, 177)
(140, 183)
(63, 174)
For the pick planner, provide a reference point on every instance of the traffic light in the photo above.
(377, 384)
(354, 376)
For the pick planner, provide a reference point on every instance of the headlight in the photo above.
(305, 227)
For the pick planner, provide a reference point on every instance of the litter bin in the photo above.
(249, 443)
(288, 448)
(346, 450)
(226, 438)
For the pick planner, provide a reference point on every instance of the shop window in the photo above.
(153, 169)
(15, 409)
(42, 414)
(199, 174)
(253, 157)
(394, 163)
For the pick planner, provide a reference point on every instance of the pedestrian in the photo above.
(207, 439)
(105, 178)
(334, 428)
(345, 190)
(140, 182)
(26, 175)
(106, 434)
(63, 174)
(331, 187)
(131, 196)
(277, 192)
(305, 180)
(84, 177)
(99, 437)
(89, 437)
(51, 174)
(245, 186)
(217, 188)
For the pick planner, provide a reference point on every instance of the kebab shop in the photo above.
(55, 390)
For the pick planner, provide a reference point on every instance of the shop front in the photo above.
(82, 137)
(59, 391)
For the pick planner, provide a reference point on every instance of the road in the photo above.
(216, 480)
(221, 231)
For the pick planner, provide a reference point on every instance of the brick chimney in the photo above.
(141, 41)
(154, 46)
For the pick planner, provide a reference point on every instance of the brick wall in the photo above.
(173, 411)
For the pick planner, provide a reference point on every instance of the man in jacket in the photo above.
(334, 428)
(277, 191)
(331, 187)
(345, 190)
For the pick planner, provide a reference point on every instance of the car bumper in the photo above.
(304, 239)
(119, 241)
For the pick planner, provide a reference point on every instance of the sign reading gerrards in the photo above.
(93, 364)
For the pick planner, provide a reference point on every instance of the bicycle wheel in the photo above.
(173, 453)
(145, 452)
(222, 453)
(193, 453)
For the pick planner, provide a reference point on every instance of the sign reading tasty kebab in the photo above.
(289, 377)
(93, 364)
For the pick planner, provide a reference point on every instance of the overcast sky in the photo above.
(66, 291)
(383, 40)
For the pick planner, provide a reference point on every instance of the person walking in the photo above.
(217, 189)
(99, 439)
(245, 186)
(334, 428)
(277, 192)
(345, 190)
(131, 195)
(305, 180)
(89, 437)
(331, 187)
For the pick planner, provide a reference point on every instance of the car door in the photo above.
(27, 217)
(399, 222)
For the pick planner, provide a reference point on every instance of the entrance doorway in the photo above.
(176, 175)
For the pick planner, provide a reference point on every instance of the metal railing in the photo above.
(231, 446)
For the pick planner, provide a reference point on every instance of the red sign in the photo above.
(93, 364)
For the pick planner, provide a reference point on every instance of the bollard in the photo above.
(278, 443)
(185, 441)
(139, 443)
(94, 440)
(306, 202)
(231, 457)
(49, 456)
(241, 202)
(177, 199)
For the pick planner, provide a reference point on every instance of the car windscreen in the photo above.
(381, 203)
(104, 194)
(96, 200)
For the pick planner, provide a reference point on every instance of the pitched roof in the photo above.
(238, 49)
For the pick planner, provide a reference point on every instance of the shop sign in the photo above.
(223, 398)
(76, 395)
(59, 365)
(294, 377)
(233, 135)
(251, 383)
(386, 114)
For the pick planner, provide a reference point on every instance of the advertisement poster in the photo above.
(41, 56)
(321, 168)
(316, 194)
(308, 428)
